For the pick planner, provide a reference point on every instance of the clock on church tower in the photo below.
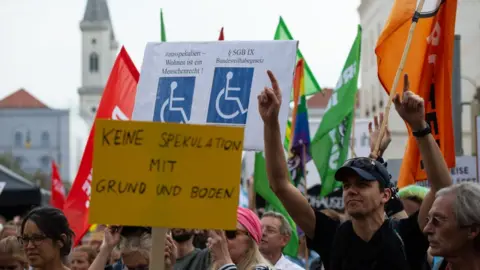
(99, 49)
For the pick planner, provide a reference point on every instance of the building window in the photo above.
(93, 62)
(367, 113)
(45, 139)
(381, 104)
(94, 41)
(18, 139)
(94, 109)
(45, 163)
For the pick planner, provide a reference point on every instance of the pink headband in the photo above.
(250, 221)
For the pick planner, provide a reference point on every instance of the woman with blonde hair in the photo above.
(238, 249)
(11, 254)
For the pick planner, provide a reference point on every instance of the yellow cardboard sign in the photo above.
(166, 174)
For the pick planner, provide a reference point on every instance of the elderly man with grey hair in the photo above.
(276, 233)
(453, 228)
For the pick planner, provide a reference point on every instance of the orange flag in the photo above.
(429, 68)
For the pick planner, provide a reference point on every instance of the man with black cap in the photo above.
(368, 240)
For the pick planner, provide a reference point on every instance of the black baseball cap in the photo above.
(366, 168)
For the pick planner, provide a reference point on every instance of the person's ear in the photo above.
(387, 195)
(474, 232)
(61, 243)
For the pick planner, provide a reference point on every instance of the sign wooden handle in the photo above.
(157, 258)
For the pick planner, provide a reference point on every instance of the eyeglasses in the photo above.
(233, 234)
(36, 239)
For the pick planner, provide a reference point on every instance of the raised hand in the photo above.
(411, 107)
(170, 252)
(375, 134)
(217, 244)
(269, 101)
(111, 237)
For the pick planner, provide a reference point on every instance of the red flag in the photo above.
(57, 199)
(117, 103)
(221, 35)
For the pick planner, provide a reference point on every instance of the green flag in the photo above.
(311, 84)
(332, 139)
(163, 34)
(262, 188)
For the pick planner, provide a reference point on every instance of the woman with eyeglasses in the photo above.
(46, 238)
(238, 249)
(12, 256)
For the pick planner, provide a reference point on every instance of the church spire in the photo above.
(96, 11)
(97, 16)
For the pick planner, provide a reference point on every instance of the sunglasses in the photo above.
(232, 234)
(361, 163)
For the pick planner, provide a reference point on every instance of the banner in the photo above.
(117, 104)
(331, 143)
(429, 68)
(214, 83)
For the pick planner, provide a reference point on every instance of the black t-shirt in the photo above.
(341, 249)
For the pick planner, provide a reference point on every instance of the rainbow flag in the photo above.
(299, 133)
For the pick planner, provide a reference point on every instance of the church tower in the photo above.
(99, 49)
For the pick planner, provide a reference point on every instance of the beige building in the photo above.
(373, 14)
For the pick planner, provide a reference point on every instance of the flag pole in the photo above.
(397, 77)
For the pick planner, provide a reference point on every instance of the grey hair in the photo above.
(285, 228)
(467, 200)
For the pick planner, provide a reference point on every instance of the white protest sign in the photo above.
(214, 83)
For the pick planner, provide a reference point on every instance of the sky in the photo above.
(40, 45)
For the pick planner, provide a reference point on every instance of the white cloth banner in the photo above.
(214, 83)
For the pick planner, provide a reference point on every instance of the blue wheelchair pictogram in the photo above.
(174, 99)
(230, 95)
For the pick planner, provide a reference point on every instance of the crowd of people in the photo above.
(381, 228)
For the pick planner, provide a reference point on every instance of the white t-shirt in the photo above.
(285, 264)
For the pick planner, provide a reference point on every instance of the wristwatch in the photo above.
(423, 132)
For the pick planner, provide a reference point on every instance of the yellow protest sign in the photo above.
(166, 174)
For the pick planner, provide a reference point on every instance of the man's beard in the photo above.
(182, 237)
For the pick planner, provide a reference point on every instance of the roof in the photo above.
(320, 100)
(21, 99)
(97, 11)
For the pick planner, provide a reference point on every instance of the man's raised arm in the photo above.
(412, 109)
(269, 102)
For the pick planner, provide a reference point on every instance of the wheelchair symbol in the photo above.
(225, 92)
(169, 101)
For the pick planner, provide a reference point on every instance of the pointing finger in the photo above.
(370, 130)
(406, 83)
(273, 80)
